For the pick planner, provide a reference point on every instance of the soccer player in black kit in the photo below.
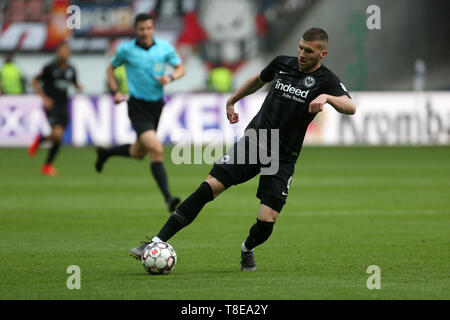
(300, 87)
(55, 78)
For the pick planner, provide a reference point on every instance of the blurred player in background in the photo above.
(144, 58)
(300, 89)
(11, 78)
(52, 85)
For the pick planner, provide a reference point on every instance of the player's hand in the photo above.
(317, 104)
(48, 102)
(164, 79)
(79, 88)
(232, 116)
(118, 98)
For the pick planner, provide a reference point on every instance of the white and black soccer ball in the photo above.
(159, 258)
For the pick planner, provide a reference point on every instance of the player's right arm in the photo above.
(112, 82)
(250, 86)
(48, 102)
(118, 59)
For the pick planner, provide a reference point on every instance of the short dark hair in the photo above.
(143, 17)
(62, 44)
(314, 34)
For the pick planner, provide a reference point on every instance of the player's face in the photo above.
(145, 30)
(310, 54)
(63, 53)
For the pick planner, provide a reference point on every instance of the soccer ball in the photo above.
(159, 258)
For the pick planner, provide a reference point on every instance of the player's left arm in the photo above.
(335, 94)
(178, 72)
(173, 59)
(342, 104)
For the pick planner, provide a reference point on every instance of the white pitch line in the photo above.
(368, 212)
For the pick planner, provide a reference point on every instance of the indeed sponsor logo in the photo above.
(288, 88)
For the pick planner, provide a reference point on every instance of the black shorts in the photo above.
(59, 114)
(272, 189)
(144, 115)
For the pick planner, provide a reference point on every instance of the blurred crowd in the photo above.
(217, 46)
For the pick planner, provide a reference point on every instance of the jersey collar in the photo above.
(318, 70)
(56, 64)
(145, 48)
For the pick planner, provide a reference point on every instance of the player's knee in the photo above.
(268, 217)
(156, 152)
(137, 154)
(157, 156)
(57, 135)
(270, 208)
(216, 186)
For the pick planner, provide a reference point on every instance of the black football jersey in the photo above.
(56, 80)
(286, 104)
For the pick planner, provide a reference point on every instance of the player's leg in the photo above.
(135, 151)
(103, 154)
(273, 191)
(152, 145)
(55, 137)
(141, 123)
(54, 118)
(188, 210)
(262, 229)
(222, 176)
(258, 234)
(32, 149)
(155, 148)
(185, 213)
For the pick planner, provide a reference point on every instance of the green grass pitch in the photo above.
(348, 208)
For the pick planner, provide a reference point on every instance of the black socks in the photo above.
(122, 150)
(52, 152)
(156, 168)
(259, 233)
(159, 173)
(186, 211)
(104, 154)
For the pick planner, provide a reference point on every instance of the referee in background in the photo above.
(144, 58)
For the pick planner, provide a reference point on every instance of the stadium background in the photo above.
(392, 202)
(411, 42)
